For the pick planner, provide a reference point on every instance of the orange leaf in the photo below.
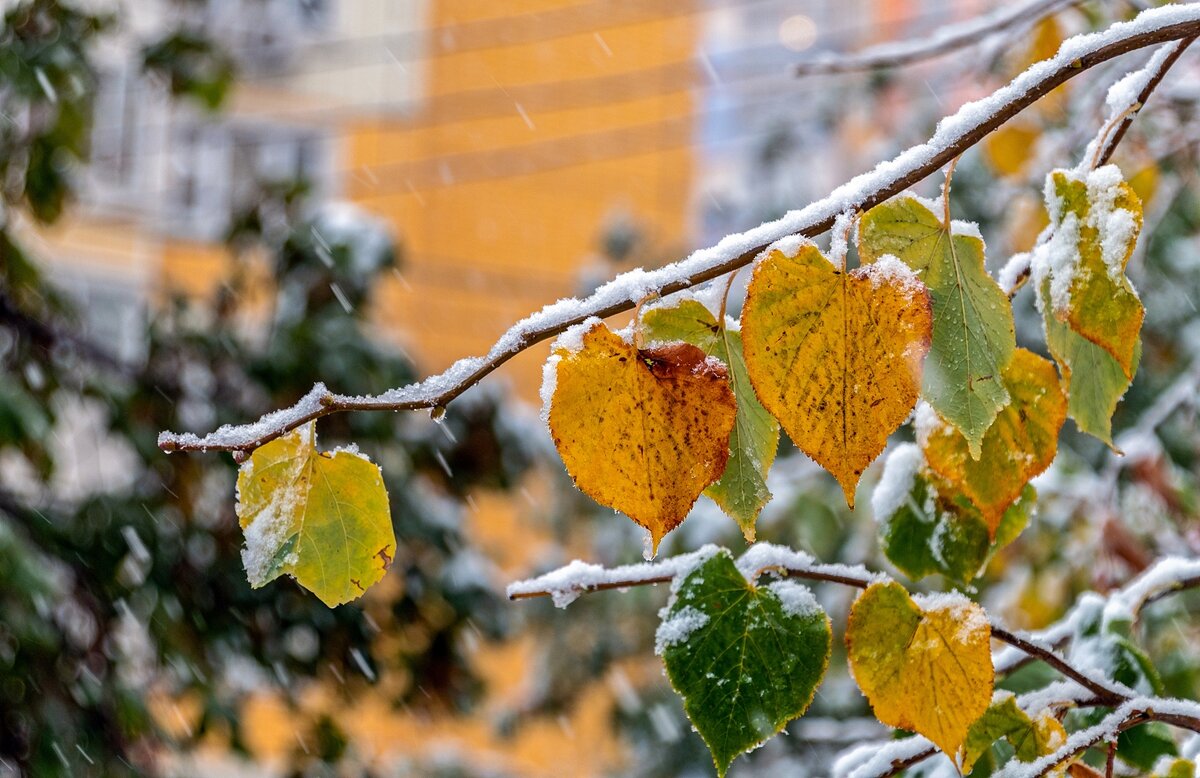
(641, 431)
(1020, 444)
(836, 356)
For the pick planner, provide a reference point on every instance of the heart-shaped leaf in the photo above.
(746, 659)
(835, 355)
(924, 665)
(641, 431)
(320, 517)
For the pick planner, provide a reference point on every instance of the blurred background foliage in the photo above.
(130, 642)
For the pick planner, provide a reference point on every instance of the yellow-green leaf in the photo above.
(834, 355)
(1019, 445)
(973, 336)
(925, 665)
(641, 431)
(320, 517)
(1101, 216)
(1092, 377)
(1177, 768)
(742, 489)
(1030, 737)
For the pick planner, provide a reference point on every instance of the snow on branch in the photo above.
(954, 134)
(565, 584)
(944, 41)
(883, 759)
(1181, 713)
(1169, 574)
(1126, 98)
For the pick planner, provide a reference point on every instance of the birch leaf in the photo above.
(641, 431)
(1020, 444)
(1030, 737)
(924, 667)
(1092, 378)
(746, 659)
(1104, 216)
(741, 491)
(836, 356)
(928, 527)
(973, 336)
(320, 517)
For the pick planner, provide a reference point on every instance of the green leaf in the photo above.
(1144, 745)
(742, 489)
(320, 517)
(973, 336)
(746, 659)
(934, 530)
(1092, 377)
(1030, 739)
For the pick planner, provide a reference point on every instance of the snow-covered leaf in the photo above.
(746, 658)
(930, 528)
(320, 517)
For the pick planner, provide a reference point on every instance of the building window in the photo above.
(112, 313)
(219, 168)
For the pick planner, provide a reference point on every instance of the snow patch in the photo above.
(797, 600)
(788, 245)
(896, 483)
(678, 628)
(890, 269)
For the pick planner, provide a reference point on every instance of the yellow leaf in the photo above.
(641, 431)
(1102, 305)
(836, 356)
(924, 666)
(1009, 149)
(1020, 444)
(320, 517)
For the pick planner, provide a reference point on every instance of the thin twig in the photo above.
(944, 41)
(863, 193)
(1106, 694)
(1112, 756)
(900, 765)
(1111, 145)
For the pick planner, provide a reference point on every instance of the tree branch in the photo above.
(954, 135)
(943, 41)
(1155, 77)
(1105, 694)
